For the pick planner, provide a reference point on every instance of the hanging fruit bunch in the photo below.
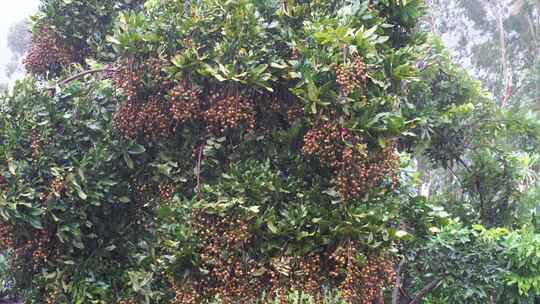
(229, 112)
(7, 236)
(127, 121)
(362, 282)
(185, 104)
(239, 277)
(324, 142)
(356, 171)
(141, 114)
(154, 119)
(48, 53)
(166, 191)
(351, 75)
(229, 276)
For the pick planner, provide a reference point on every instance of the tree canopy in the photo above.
(249, 151)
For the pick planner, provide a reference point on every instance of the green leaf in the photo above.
(136, 149)
(401, 234)
(129, 161)
(12, 167)
(124, 199)
(254, 209)
(258, 70)
(313, 91)
(81, 194)
(278, 65)
(113, 40)
(272, 228)
(36, 222)
(369, 32)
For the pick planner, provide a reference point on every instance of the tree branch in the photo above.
(427, 289)
(199, 162)
(108, 68)
(395, 292)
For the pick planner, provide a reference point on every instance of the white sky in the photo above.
(12, 11)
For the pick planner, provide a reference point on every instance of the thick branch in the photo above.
(52, 90)
(395, 292)
(84, 73)
(199, 162)
(427, 289)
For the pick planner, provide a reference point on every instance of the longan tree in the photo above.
(233, 151)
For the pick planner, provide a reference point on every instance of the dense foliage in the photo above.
(256, 151)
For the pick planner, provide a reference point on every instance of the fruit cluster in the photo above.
(350, 76)
(359, 172)
(150, 120)
(47, 54)
(36, 144)
(228, 276)
(52, 296)
(40, 247)
(362, 282)
(166, 191)
(7, 236)
(154, 120)
(127, 79)
(126, 119)
(324, 142)
(145, 114)
(356, 171)
(225, 269)
(295, 111)
(156, 67)
(58, 186)
(185, 104)
(228, 113)
(376, 273)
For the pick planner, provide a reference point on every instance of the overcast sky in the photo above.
(12, 11)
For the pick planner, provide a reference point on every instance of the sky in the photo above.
(12, 11)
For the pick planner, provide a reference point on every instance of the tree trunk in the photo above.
(507, 72)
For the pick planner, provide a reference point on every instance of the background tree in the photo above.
(498, 40)
(19, 39)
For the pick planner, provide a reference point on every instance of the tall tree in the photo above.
(498, 41)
